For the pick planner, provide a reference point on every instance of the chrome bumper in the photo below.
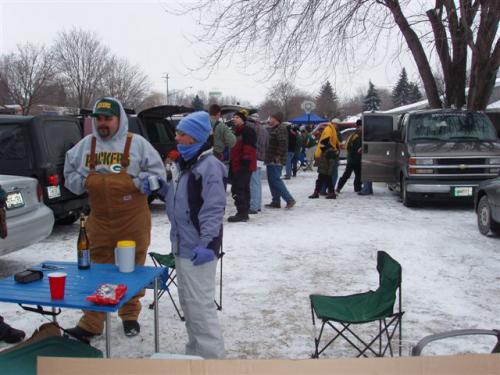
(435, 189)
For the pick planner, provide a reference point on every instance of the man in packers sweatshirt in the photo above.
(113, 166)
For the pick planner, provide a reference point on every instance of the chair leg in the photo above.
(219, 304)
(181, 317)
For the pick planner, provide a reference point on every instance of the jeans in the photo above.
(276, 184)
(255, 190)
(289, 159)
(367, 188)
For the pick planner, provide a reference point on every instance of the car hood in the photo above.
(163, 111)
(462, 148)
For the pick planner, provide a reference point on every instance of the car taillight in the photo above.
(53, 180)
(39, 192)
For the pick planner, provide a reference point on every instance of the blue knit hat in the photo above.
(197, 125)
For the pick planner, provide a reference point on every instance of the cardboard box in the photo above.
(480, 364)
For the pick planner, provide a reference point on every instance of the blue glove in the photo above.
(202, 255)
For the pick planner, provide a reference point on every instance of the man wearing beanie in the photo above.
(276, 156)
(113, 166)
(195, 201)
(243, 163)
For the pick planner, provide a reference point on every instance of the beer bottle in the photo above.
(82, 246)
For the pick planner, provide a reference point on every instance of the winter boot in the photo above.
(131, 328)
(273, 205)
(237, 218)
(80, 334)
(12, 335)
(314, 195)
(331, 196)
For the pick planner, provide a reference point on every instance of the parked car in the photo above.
(35, 146)
(439, 154)
(29, 220)
(487, 205)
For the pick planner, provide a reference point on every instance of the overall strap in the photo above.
(92, 154)
(126, 153)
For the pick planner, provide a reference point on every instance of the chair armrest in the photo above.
(417, 349)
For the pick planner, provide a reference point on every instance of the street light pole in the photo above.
(166, 78)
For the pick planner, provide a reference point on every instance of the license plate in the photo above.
(14, 200)
(53, 191)
(463, 191)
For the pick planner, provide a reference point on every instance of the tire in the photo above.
(404, 194)
(68, 219)
(484, 222)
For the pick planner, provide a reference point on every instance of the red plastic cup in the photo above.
(57, 281)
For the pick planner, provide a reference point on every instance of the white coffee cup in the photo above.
(125, 256)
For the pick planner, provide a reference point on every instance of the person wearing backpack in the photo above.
(255, 180)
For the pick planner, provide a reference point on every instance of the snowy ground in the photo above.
(450, 273)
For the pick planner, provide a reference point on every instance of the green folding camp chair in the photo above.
(168, 261)
(341, 312)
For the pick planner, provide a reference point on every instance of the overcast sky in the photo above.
(147, 35)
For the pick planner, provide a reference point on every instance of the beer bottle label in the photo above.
(84, 259)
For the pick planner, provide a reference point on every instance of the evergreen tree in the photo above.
(414, 93)
(197, 103)
(401, 92)
(327, 102)
(371, 102)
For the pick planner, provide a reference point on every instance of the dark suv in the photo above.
(35, 146)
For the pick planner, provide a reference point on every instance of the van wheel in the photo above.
(484, 222)
(68, 219)
(404, 194)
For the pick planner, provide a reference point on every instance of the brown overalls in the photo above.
(119, 211)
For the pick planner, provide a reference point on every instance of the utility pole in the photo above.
(166, 77)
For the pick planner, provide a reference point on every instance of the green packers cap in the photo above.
(106, 107)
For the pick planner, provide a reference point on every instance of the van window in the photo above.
(377, 128)
(12, 142)
(445, 127)
(60, 136)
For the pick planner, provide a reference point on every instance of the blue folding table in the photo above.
(82, 283)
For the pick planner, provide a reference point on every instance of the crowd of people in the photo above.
(193, 182)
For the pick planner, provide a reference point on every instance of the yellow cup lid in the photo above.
(125, 244)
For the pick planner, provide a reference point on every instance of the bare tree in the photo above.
(153, 99)
(289, 34)
(125, 82)
(82, 60)
(25, 73)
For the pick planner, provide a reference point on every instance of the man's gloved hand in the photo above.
(202, 255)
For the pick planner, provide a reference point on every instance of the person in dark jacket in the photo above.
(326, 167)
(243, 163)
(276, 157)
(353, 146)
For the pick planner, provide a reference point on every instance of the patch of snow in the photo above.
(275, 260)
